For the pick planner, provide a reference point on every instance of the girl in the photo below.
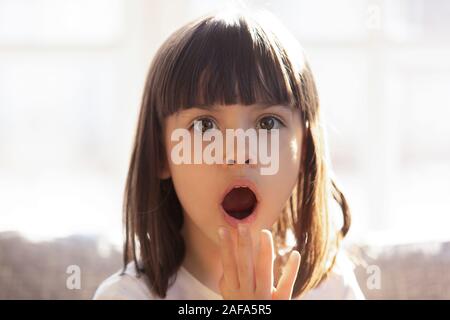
(225, 231)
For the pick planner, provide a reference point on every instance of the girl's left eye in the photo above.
(204, 124)
(269, 123)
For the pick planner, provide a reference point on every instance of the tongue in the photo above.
(239, 202)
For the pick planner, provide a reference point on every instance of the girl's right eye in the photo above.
(203, 124)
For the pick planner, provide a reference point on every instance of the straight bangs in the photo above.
(223, 62)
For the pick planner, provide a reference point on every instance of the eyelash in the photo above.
(191, 126)
(282, 124)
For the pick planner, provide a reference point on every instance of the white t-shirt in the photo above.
(341, 284)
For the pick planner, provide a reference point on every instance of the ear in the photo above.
(303, 154)
(164, 171)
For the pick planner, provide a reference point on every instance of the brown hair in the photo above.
(217, 60)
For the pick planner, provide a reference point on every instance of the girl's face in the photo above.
(201, 188)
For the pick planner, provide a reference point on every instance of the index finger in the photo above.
(230, 273)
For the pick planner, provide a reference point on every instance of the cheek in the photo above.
(194, 187)
(191, 181)
(284, 180)
(188, 179)
(290, 154)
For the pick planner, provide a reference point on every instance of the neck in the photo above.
(202, 257)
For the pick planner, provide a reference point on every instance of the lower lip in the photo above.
(235, 222)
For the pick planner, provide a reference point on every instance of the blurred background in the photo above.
(71, 79)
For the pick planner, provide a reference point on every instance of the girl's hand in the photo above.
(243, 278)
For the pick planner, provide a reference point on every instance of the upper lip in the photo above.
(242, 182)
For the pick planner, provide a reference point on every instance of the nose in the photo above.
(241, 154)
(233, 161)
(233, 164)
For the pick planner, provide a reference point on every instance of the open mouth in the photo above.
(239, 202)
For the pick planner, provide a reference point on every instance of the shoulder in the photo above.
(341, 284)
(124, 286)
